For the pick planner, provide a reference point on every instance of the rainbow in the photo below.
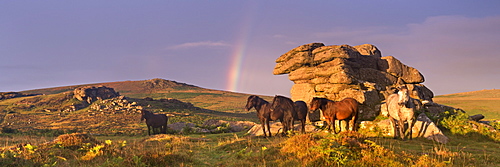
(238, 54)
(235, 67)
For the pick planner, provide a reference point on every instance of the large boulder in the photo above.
(393, 66)
(368, 50)
(303, 92)
(423, 127)
(296, 58)
(340, 71)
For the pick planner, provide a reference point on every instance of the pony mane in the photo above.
(259, 99)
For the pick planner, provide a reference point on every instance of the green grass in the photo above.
(486, 102)
(238, 149)
(466, 147)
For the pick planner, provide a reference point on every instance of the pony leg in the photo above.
(340, 126)
(263, 123)
(354, 120)
(268, 128)
(402, 130)
(333, 126)
(347, 122)
(284, 125)
(410, 129)
(149, 134)
(328, 125)
(411, 123)
(303, 122)
(405, 130)
(288, 126)
(166, 126)
(393, 123)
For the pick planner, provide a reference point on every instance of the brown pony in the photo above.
(301, 109)
(154, 121)
(263, 112)
(286, 106)
(346, 109)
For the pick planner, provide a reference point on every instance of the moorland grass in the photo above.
(240, 149)
(486, 102)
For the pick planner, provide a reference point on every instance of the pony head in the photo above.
(275, 103)
(316, 103)
(281, 103)
(252, 100)
(403, 95)
(144, 114)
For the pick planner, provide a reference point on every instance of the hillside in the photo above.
(160, 88)
(55, 110)
(486, 102)
(120, 137)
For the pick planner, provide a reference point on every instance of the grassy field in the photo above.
(239, 149)
(35, 133)
(486, 102)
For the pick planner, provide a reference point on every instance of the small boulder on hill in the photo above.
(9, 95)
(90, 94)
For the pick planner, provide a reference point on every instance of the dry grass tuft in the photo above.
(75, 139)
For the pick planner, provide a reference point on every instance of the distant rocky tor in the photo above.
(340, 71)
(90, 94)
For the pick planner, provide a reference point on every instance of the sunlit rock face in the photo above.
(90, 94)
(340, 71)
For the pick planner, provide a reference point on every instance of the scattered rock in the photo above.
(476, 117)
(179, 126)
(276, 128)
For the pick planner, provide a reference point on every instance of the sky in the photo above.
(232, 45)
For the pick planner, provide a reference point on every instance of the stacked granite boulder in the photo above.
(340, 71)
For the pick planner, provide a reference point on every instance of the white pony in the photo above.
(401, 108)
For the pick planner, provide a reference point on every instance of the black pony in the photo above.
(286, 106)
(263, 112)
(155, 121)
(301, 109)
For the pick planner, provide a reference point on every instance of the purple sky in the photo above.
(57, 43)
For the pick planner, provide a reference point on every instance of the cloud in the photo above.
(454, 53)
(199, 44)
(279, 36)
